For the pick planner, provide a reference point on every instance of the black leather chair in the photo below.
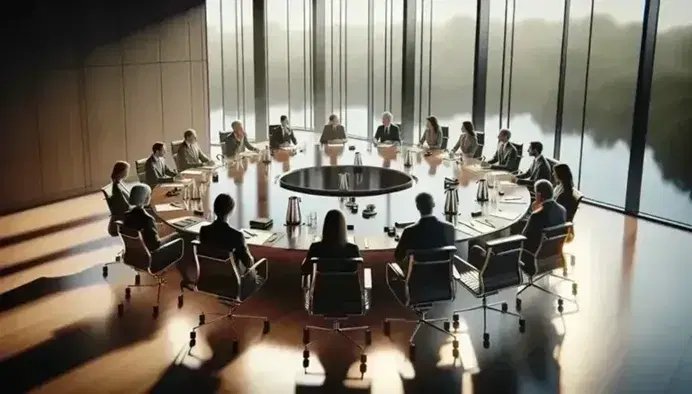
(271, 129)
(499, 270)
(445, 137)
(218, 276)
(430, 282)
(480, 137)
(112, 230)
(548, 258)
(223, 135)
(140, 165)
(154, 263)
(552, 162)
(513, 167)
(338, 288)
(570, 218)
(175, 145)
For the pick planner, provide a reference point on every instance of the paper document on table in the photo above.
(256, 237)
(167, 207)
(170, 185)
(481, 226)
(507, 184)
(415, 149)
(248, 154)
(196, 227)
(191, 172)
(475, 167)
(349, 239)
(186, 221)
(467, 228)
(508, 215)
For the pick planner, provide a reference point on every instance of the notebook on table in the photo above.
(190, 223)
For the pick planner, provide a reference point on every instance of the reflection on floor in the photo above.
(60, 332)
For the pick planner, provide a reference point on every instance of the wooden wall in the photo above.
(67, 122)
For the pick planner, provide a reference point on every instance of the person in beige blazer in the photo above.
(333, 132)
(189, 153)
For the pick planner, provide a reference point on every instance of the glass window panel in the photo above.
(247, 71)
(453, 42)
(494, 86)
(617, 29)
(535, 66)
(355, 68)
(667, 181)
(298, 57)
(215, 69)
(230, 59)
(277, 59)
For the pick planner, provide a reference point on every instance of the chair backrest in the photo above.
(431, 279)
(502, 267)
(337, 287)
(175, 145)
(107, 196)
(137, 254)
(140, 165)
(445, 136)
(552, 162)
(271, 129)
(520, 153)
(217, 271)
(549, 254)
(223, 135)
(480, 137)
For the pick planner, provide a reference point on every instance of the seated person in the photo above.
(156, 170)
(119, 196)
(387, 133)
(282, 135)
(138, 219)
(334, 132)
(334, 242)
(540, 168)
(220, 235)
(237, 141)
(564, 189)
(546, 213)
(189, 153)
(429, 232)
(506, 155)
(432, 135)
(468, 142)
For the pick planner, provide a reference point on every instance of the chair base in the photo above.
(420, 322)
(560, 298)
(232, 316)
(160, 281)
(118, 260)
(504, 309)
(336, 328)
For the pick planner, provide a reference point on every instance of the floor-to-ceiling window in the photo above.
(667, 180)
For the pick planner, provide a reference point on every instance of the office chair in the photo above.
(154, 263)
(338, 289)
(430, 282)
(480, 137)
(498, 271)
(175, 145)
(112, 231)
(445, 137)
(552, 163)
(140, 165)
(219, 276)
(548, 258)
(223, 135)
(513, 167)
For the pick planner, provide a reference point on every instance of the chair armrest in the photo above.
(367, 278)
(254, 267)
(396, 269)
(529, 253)
(466, 263)
(176, 244)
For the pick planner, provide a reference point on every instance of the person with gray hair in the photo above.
(138, 219)
(237, 142)
(189, 153)
(387, 132)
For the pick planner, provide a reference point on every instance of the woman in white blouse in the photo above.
(467, 143)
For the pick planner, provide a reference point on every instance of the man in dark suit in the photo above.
(189, 153)
(220, 235)
(429, 232)
(540, 168)
(387, 132)
(506, 155)
(155, 169)
(282, 135)
(138, 219)
(547, 213)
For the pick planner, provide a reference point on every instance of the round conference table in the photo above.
(257, 189)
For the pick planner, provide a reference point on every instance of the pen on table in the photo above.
(249, 233)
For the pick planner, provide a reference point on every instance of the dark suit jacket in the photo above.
(120, 197)
(233, 146)
(393, 135)
(549, 215)
(190, 156)
(330, 133)
(139, 220)
(277, 137)
(156, 171)
(428, 232)
(540, 169)
(220, 235)
(568, 201)
(320, 249)
(505, 158)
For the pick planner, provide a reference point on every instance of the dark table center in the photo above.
(346, 181)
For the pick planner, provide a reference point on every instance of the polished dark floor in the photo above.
(60, 332)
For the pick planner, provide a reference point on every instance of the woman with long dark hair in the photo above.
(433, 133)
(334, 242)
(468, 142)
(119, 195)
(564, 189)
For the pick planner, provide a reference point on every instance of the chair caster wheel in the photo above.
(368, 337)
(560, 302)
(455, 344)
(560, 308)
(180, 301)
(138, 280)
(118, 257)
(266, 327)
(193, 335)
(574, 289)
(522, 326)
(193, 342)
(505, 308)
(387, 328)
(202, 319)
(560, 305)
(306, 336)
(363, 368)
(486, 344)
(306, 354)
(412, 351)
(155, 311)
(128, 293)
(306, 363)
(486, 336)
(517, 306)
(121, 309)
(363, 358)
(236, 346)
(105, 271)
(455, 353)
(446, 326)
(455, 321)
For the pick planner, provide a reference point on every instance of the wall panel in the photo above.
(175, 40)
(199, 100)
(143, 46)
(177, 99)
(143, 109)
